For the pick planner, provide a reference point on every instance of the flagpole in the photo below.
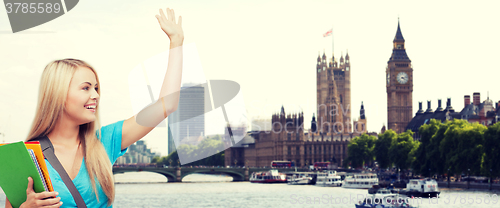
(333, 61)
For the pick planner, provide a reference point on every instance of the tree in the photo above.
(426, 150)
(401, 149)
(462, 146)
(382, 146)
(360, 150)
(491, 152)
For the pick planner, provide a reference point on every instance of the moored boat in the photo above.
(328, 178)
(384, 198)
(271, 176)
(300, 178)
(361, 180)
(422, 188)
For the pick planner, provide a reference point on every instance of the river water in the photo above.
(151, 190)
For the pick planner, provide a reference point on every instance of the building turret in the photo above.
(313, 124)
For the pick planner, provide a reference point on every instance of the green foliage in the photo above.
(491, 151)
(427, 154)
(382, 146)
(462, 146)
(208, 146)
(400, 151)
(360, 150)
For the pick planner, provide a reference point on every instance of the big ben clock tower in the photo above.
(399, 73)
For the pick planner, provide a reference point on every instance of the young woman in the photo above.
(67, 114)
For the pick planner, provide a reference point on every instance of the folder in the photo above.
(16, 165)
(35, 146)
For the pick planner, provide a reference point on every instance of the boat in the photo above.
(421, 188)
(375, 188)
(328, 178)
(384, 198)
(271, 176)
(300, 178)
(361, 180)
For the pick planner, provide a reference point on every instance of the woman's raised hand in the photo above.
(170, 27)
(43, 199)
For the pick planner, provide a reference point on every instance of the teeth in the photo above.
(91, 107)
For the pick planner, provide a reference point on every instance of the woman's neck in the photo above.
(65, 133)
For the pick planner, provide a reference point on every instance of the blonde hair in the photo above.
(54, 87)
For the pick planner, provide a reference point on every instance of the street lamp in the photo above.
(468, 178)
(448, 178)
(490, 180)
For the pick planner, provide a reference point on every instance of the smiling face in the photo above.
(83, 97)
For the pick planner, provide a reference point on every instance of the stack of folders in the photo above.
(18, 161)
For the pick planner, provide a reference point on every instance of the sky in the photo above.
(268, 47)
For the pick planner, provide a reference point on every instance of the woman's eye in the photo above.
(86, 88)
(96, 89)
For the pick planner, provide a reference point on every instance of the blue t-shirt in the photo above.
(111, 139)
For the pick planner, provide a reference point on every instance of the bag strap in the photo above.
(48, 153)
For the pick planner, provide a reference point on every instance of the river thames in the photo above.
(151, 190)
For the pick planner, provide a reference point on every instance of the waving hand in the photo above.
(170, 27)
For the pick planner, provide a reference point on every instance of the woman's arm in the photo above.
(141, 124)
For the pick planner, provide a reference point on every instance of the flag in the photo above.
(328, 33)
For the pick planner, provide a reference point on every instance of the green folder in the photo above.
(16, 166)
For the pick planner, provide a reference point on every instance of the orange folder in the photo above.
(35, 146)
(37, 149)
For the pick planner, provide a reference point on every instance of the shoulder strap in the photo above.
(48, 153)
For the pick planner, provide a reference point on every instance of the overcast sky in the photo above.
(268, 47)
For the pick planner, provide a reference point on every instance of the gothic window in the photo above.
(289, 150)
(298, 150)
(297, 136)
(340, 98)
(289, 137)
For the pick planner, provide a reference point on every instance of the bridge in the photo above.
(176, 174)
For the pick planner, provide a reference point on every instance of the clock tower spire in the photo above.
(399, 74)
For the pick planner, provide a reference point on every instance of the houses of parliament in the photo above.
(332, 126)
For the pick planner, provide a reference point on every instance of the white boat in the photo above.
(422, 188)
(328, 178)
(271, 176)
(361, 180)
(384, 198)
(299, 178)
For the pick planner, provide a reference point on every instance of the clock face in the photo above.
(402, 78)
(388, 78)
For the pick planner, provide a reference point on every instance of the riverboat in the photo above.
(361, 181)
(422, 188)
(328, 178)
(384, 198)
(300, 178)
(271, 176)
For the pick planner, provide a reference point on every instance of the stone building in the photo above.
(399, 74)
(289, 141)
(485, 113)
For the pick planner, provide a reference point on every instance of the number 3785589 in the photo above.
(33, 8)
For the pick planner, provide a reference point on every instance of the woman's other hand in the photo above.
(44, 199)
(170, 27)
